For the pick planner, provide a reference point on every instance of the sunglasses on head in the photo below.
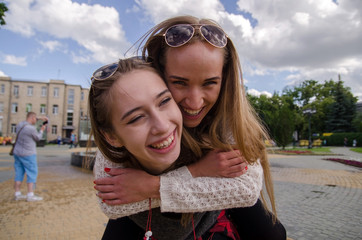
(109, 70)
(105, 72)
(180, 34)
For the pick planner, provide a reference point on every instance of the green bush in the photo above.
(337, 139)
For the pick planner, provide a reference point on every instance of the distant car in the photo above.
(64, 141)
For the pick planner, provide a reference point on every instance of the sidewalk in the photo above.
(316, 199)
(347, 153)
(69, 209)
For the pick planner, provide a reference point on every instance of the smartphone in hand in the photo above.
(46, 122)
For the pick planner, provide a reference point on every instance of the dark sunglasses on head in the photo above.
(105, 71)
(109, 70)
(180, 34)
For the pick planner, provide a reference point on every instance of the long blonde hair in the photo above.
(232, 119)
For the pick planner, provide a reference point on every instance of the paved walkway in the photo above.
(316, 199)
(346, 152)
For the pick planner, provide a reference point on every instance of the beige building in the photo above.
(65, 105)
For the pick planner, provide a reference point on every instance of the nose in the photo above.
(160, 123)
(194, 99)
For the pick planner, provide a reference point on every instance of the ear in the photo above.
(112, 139)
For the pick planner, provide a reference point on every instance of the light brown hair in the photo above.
(100, 111)
(100, 96)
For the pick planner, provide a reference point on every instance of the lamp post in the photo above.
(309, 112)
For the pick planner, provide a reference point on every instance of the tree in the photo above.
(283, 124)
(3, 9)
(357, 122)
(335, 108)
(342, 111)
(320, 97)
(278, 116)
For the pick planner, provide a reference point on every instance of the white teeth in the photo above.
(192, 112)
(165, 143)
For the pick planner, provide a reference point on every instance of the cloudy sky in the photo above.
(280, 42)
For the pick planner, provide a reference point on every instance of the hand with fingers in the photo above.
(219, 163)
(127, 185)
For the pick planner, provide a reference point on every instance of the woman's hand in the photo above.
(127, 185)
(219, 164)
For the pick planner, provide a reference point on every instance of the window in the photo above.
(71, 96)
(82, 96)
(55, 109)
(29, 106)
(16, 91)
(13, 128)
(70, 119)
(42, 109)
(1, 107)
(43, 91)
(54, 129)
(56, 92)
(30, 91)
(2, 89)
(14, 107)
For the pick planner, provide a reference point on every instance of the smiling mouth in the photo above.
(164, 144)
(192, 112)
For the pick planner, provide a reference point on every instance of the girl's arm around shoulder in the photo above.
(116, 211)
(180, 192)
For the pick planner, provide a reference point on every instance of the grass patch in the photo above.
(315, 149)
(357, 150)
(304, 151)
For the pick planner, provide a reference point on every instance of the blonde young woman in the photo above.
(202, 70)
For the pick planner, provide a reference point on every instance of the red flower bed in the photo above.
(346, 161)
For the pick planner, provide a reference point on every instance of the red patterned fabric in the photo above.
(224, 225)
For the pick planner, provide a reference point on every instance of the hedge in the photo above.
(337, 139)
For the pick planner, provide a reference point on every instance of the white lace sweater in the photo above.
(180, 192)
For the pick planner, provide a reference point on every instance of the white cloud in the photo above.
(317, 36)
(2, 74)
(134, 9)
(51, 46)
(159, 10)
(301, 18)
(94, 27)
(14, 60)
(255, 92)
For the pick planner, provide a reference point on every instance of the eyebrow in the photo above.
(185, 79)
(138, 108)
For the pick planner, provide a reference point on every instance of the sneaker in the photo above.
(34, 198)
(20, 197)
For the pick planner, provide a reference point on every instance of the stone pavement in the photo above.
(316, 199)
